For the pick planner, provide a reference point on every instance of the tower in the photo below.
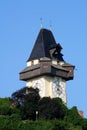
(46, 68)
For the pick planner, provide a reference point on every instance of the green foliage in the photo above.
(51, 108)
(30, 105)
(17, 98)
(5, 106)
(5, 102)
(12, 123)
(19, 112)
(84, 124)
(27, 101)
(4, 110)
(8, 122)
(60, 125)
(30, 102)
(73, 116)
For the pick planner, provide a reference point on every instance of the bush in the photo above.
(73, 116)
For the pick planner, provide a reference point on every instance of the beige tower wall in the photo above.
(45, 85)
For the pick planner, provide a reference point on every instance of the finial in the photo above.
(41, 22)
(50, 26)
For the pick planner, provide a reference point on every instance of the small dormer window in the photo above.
(29, 63)
(54, 62)
(61, 63)
(36, 62)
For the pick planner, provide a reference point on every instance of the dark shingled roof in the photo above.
(30, 68)
(47, 50)
(44, 42)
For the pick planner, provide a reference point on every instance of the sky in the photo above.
(19, 26)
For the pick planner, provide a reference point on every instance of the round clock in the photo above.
(57, 88)
(38, 84)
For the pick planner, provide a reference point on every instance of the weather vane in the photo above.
(41, 22)
(50, 25)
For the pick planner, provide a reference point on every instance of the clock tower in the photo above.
(46, 69)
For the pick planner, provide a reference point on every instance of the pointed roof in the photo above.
(44, 42)
(47, 50)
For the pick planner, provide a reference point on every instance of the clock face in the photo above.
(58, 88)
(38, 84)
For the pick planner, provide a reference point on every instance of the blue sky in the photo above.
(19, 27)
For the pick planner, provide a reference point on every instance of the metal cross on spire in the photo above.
(50, 26)
(41, 22)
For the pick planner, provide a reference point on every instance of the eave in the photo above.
(45, 69)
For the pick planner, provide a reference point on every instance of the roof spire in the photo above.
(50, 26)
(44, 42)
(41, 22)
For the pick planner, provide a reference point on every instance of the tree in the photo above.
(26, 99)
(84, 124)
(17, 98)
(73, 116)
(51, 108)
(4, 106)
(30, 104)
(5, 101)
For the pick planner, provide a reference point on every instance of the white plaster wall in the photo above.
(36, 62)
(46, 86)
(28, 63)
(61, 63)
(64, 91)
(54, 62)
(48, 90)
(41, 81)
